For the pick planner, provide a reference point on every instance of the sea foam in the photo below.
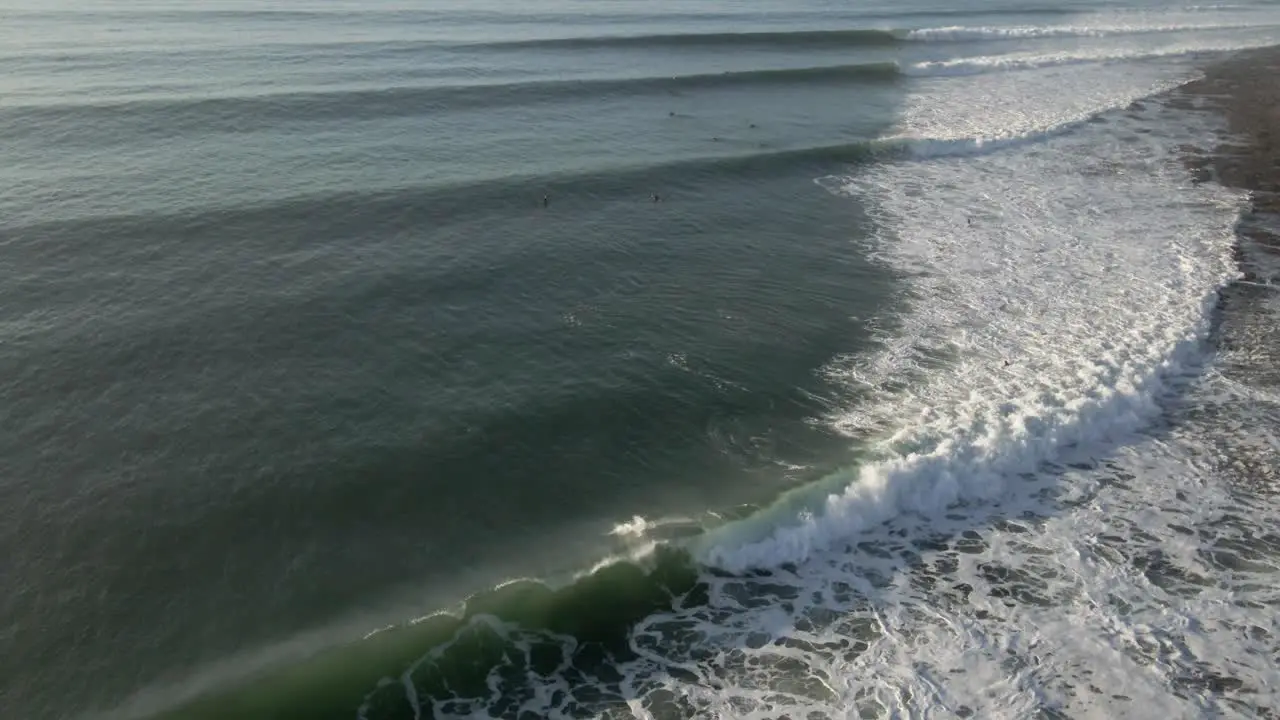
(961, 33)
(1032, 61)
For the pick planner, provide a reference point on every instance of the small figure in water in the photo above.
(752, 125)
(546, 201)
(657, 197)
(969, 221)
(1007, 363)
(671, 113)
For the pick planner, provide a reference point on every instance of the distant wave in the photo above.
(798, 38)
(171, 117)
(1003, 63)
(847, 38)
(960, 33)
(598, 608)
(67, 58)
(243, 112)
(1217, 7)
(866, 37)
(439, 203)
(985, 12)
(510, 17)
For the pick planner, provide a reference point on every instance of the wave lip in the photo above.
(869, 37)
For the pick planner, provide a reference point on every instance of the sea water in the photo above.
(653, 360)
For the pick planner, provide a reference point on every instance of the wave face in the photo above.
(960, 33)
(859, 38)
(854, 39)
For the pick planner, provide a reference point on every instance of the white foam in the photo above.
(635, 527)
(967, 117)
(1031, 61)
(961, 33)
(924, 148)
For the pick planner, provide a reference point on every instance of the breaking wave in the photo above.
(1004, 63)
(960, 33)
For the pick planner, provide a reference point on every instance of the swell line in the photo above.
(168, 117)
(60, 56)
(841, 38)
(515, 193)
(795, 38)
(961, 33)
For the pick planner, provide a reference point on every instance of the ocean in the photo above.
(411, 359)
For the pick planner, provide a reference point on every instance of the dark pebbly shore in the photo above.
(1243, 423)
(1246, 89)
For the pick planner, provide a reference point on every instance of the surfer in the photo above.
(546, 201)
(657, 197)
